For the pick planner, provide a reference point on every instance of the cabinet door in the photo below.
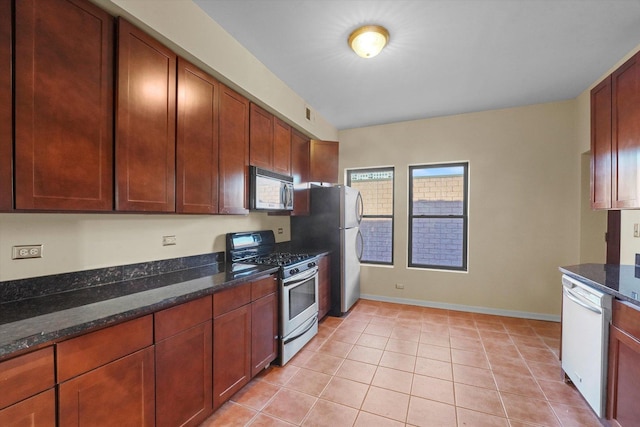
(197, 141)
(37, 411)
(184, 377)
(26, 375)
(626, 134)
(624, 377)
(300, 157)
(281, 147)
(324, 161)
(231, 353)
(601, 145)
(145, 123)
(117, 394)
(324, 286)
(6, 108)
(260, 138)
(64, 106)
(234, 152)
(264, 332)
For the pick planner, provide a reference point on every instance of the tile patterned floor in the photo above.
(399, 365)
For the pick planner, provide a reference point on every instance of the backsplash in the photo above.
(15, 290)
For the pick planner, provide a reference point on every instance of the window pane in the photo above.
(376, 188)
(438, 191)
(377, 235)
(437, 241)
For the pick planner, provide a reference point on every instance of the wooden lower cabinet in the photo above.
(624, 366)
(245, 334)
(27, 397)
(264, 332)
(183, 336)
(120, 393)
(324, 286)
(37, 411)
(231, 353)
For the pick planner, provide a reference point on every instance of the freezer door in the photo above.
(351, 207)
(349, 269)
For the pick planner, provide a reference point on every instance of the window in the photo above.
(438, 216)
(376, 187)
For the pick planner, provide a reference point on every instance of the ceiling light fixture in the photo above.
(369, 40)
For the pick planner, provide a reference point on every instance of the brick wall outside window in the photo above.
(438, 241)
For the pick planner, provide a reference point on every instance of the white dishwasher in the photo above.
(586, 313)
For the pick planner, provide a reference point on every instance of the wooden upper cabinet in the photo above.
(281, 147)
(626, 134)
(324, 161)
(197, 141)
(260, 137)
(601, 145)
(270, 141)
(233, 115)
(63, 106)
(300, 171)
(145, 123)
(6, 108)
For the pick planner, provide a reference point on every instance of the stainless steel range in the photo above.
(298, 286)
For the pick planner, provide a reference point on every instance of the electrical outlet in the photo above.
(636, 230)
(168, 240)
(27, 251)
(399, 286)
(280, 230)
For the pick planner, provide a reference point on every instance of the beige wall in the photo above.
(75, 242)
(524, 168)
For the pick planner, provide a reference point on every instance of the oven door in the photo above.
(299, 300)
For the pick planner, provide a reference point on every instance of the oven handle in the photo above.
(576, 298)
(311, 325)
(300, 277)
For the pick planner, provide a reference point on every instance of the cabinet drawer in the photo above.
(39, 410)
(95, 349)
(182, 317)
(265, 286)
(230, 299)
(626, 317)
(26, 376)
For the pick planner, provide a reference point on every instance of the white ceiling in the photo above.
(444, 57)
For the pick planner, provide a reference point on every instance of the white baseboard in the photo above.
(459, 307)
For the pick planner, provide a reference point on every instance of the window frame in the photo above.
(464, 217)
(348, 173)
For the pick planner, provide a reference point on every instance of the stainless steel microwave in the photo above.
(270, 191)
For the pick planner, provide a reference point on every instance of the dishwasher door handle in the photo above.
(576, 298)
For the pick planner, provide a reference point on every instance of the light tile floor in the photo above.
(399, 365)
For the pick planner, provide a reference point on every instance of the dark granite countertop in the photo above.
(35, 321)
(621, 281)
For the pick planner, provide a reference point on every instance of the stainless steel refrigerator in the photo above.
(333, 225)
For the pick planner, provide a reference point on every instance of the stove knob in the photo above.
(294, 271)
(311, 264)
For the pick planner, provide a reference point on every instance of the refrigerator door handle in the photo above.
(359, 208)
(361, 238)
